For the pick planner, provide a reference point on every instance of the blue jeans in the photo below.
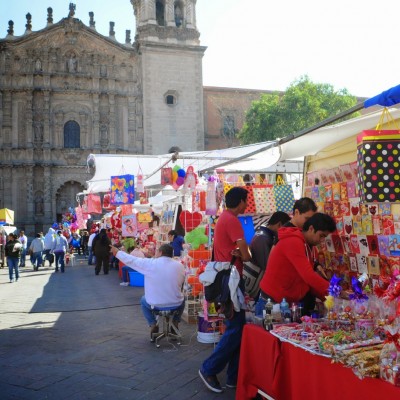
(60, 259)
(149, 315)
(37, 259)
(125, 270)
(12, 263)
(92, 258)
(23, 256)
(227, 350)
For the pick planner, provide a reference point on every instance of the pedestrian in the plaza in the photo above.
(92, 257)
(36, 249)
(24, 241)
(13, 252)
(101, 247)
(60, 249)
(84, 243)
(49, 242)
(229, 240)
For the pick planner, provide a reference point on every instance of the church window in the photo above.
(229, 129)
(160, 9)
(171, 97)
(170, 100)
(72, 133)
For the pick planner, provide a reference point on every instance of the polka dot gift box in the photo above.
(378, 155)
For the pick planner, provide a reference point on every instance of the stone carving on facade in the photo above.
(72, 63)
(72, 8)
(39, 205)
(38, 65)
(38, 132)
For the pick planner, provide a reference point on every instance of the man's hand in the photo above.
(114, 250)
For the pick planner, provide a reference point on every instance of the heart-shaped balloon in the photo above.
(190, 220)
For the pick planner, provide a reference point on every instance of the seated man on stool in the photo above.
(163, 282)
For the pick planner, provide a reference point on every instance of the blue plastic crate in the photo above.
(136, 279)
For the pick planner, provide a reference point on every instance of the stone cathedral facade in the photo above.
(67, 91)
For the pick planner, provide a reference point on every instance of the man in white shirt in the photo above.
(24, 241)
(163, 282)
(91, 259)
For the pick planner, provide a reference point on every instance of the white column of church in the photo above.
(169, 13)
(46, 119)
(96, 121)
(47, 195)
(111, 101)
(28, 117)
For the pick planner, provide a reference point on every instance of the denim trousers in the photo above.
(12, 263)
(23, 256)
(148, 311)
(227, 350)
(125, 270)
(92, 258)
(60, 259)
(37, 259)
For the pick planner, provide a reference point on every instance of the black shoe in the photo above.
(211, 381)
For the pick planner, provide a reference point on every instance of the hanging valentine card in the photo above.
(122, 189)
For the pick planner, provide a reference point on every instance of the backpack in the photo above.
(252, 273)
(219, 293)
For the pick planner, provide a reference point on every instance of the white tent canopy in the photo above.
(107, 165)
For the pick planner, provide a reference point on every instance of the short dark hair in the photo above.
(38, 235)
(234, 196)
(166, 250)
(304, 204)
(278, 216)
(58, 232)
(173, 233)
(320, 222)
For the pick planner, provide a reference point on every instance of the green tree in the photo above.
(302, 105)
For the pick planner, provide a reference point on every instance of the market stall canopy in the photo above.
(6, 216)
(107, 165)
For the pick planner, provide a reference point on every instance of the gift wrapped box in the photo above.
(378, 165)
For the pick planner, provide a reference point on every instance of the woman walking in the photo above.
(13, 252)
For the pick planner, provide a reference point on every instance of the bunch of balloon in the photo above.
(178, 177)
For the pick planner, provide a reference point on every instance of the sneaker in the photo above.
(230, 385)
(211, 382)
(11, 281)
(124, 284)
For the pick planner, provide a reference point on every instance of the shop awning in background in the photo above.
(6, 216)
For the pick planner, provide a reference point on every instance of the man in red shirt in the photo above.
(290, 272)
(229, 240)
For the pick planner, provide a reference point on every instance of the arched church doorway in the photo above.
(66, 197)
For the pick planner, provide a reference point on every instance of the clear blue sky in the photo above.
(264, 44)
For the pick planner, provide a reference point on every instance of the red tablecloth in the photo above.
(285, 372)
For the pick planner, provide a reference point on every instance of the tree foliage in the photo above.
(302, 105)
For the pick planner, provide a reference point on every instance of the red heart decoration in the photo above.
(348, 228)
(190, 220)
(355, 210)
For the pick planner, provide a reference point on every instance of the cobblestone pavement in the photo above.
(79, 336)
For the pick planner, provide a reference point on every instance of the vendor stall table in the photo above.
(286, 372)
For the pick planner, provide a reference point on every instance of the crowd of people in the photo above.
(284, 249)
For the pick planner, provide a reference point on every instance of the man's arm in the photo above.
(244, 250)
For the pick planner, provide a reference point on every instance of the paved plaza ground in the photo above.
(79, 336)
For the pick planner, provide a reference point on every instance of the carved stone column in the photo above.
(58, 129)
(131, 139)
(7, 123)
(96, 122)
(46, 119)
(29, 193)
(29, 118)
(169, 13)
(48, 189)
(111, 100)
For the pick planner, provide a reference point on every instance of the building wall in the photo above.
(221, 103)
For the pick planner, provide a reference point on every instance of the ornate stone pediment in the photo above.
(72, 156)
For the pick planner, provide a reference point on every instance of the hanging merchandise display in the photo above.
(139, 181)
(190, 220)
(211, 201)
(166, 176)
(190, 180)
(94, 204)
(122, 189)
(129, 225)
(284, 197)
(264, 199)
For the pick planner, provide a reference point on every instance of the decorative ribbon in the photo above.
(334, 286)
(358, 294)
(393, 339)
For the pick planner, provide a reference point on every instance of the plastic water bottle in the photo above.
(259, 307)
(268, 315)
(285, 311)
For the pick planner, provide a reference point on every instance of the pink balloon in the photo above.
(175, 186)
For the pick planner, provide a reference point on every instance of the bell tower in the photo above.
(170, 70)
